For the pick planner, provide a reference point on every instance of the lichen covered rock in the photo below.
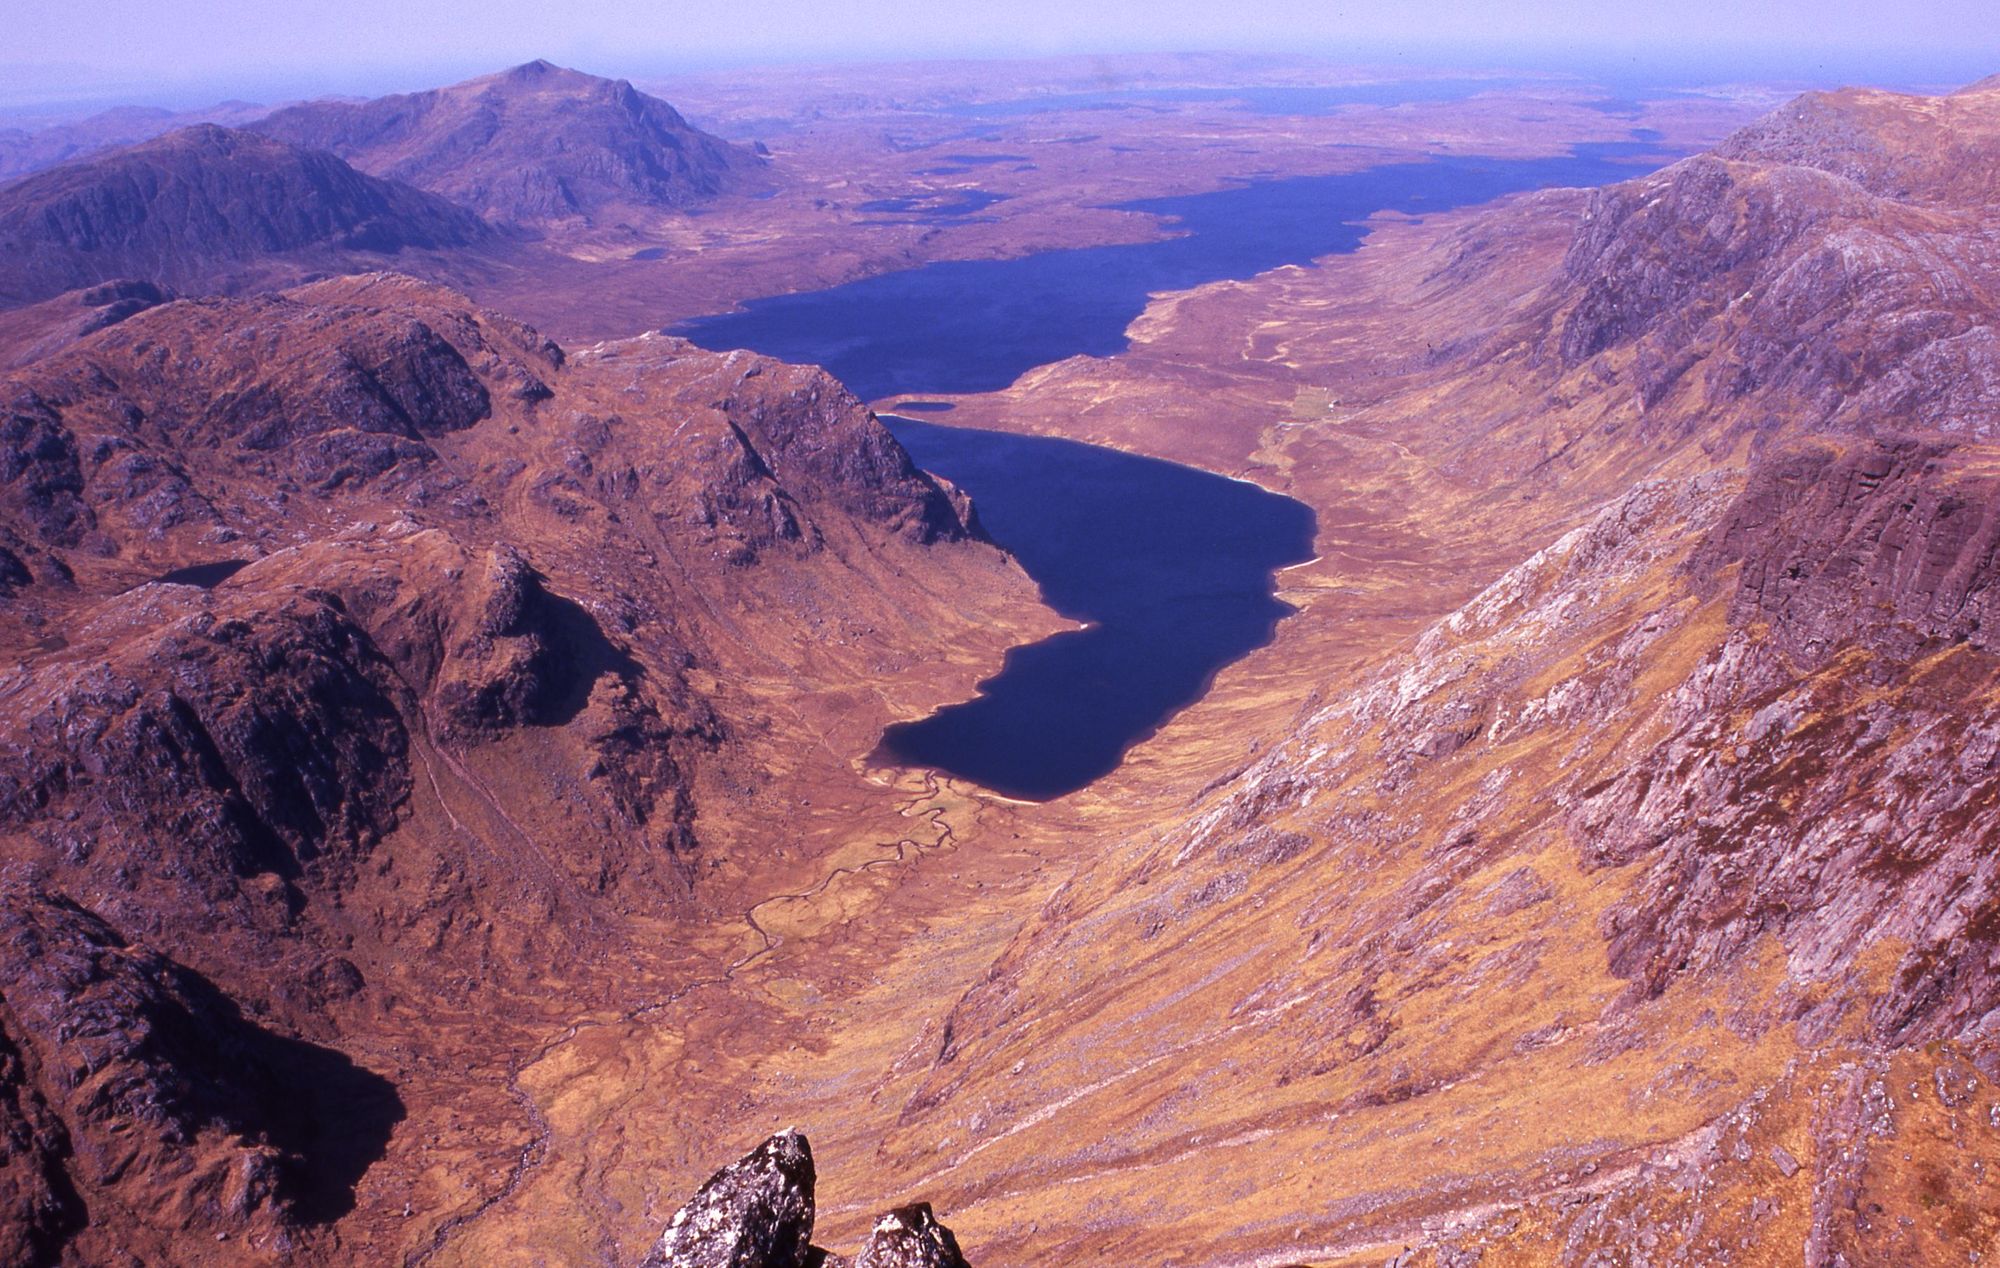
(910, 1237)
(754, 1213)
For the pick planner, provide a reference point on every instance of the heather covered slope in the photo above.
(390, 687)
(534, 144)
(1642, 895)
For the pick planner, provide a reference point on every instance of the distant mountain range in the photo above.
(25, 150)
(341, 186)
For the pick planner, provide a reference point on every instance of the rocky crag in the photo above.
(758, 1213)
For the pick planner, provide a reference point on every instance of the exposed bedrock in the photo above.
(758, 1213)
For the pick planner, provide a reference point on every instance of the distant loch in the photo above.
(1173, 569)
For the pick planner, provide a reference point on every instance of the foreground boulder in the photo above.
(754, 1213)
(758, 1213)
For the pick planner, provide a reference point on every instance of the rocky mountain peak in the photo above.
(531, 145)
(1937, 151)
(910, 1237)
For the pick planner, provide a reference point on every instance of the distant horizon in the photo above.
(70, 91)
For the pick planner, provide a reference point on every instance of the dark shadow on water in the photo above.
(1171, 565)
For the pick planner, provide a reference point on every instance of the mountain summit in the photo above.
(533, 144)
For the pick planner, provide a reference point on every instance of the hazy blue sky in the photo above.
(168, 48)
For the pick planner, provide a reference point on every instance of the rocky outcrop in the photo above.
(530, 145)
(113, 302)
(758, 1213)
(909, 1237)
(207, 206)
(1888, 544)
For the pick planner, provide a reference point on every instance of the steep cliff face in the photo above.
(1851, 811)
(529, 145)
(206, 206)
(371, 657)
